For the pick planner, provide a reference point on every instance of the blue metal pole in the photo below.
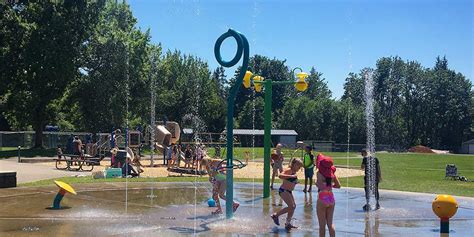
(444, 223)
(242, 49)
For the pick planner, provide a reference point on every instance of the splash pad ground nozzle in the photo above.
(63, 189)
(445, 207)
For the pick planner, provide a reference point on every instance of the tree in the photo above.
(219, 79)
(114, 73)
(451, 92)
(273, 69)
(317, 86)
(251, 115)
(43, 59)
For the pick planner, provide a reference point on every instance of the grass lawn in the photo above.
(418, 173)
(7, 152)
(257, 153)
(8, 148)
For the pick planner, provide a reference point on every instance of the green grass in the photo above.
(8, 148)
(30, 152)
(257, 153)
(418, 173)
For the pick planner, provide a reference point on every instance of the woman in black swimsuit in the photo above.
(289, 182)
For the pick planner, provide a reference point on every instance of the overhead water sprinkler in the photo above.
(258, 84)
(444, 206)
(246, 80)
(63, 189)
(300, 85)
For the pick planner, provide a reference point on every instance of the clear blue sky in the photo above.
(336, 37)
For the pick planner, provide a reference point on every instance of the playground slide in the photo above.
(130, 153)
(159, 148)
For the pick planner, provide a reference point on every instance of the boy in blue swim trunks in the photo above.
(308, 162)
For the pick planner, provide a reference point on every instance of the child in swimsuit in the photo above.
(289, 182)
(217, 178)
(326, 180)
(277, 162)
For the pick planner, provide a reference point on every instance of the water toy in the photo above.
(63, 189)
(444, 206)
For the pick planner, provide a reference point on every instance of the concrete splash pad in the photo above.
(180, 209)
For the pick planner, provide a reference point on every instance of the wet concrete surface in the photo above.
(180, 209)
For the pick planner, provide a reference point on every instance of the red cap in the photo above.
(326, 167)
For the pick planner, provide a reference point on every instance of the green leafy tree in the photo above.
(113, 71)
(220, 80)
(251, 115)
(273, 69)
(43, 58)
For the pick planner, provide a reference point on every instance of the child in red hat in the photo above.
(326, 181)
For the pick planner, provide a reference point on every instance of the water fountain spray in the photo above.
(152, 107)
(370, 123)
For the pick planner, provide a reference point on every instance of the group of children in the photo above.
(192, 157)
(326, 180)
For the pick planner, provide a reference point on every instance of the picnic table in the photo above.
(76, 162)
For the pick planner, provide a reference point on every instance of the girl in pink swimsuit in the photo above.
(326, 181)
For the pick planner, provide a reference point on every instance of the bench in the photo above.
(77, 162)
(7, 179)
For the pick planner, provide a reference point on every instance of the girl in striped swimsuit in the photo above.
(290, 179)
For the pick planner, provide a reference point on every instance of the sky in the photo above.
(335, 37)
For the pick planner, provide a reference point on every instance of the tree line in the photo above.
(85, 65)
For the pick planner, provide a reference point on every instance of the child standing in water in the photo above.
(370, 164)
(217, 178)
(326, 181)
(290, 179)
(308, 162)
(277, 162)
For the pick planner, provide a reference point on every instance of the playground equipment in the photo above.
(245, 77)
(63, 189)
(445, 207)
(163, 134)
(242, 52)
(258, 82)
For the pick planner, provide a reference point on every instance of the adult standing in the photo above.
(77, 146)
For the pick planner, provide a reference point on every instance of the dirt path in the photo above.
(252, 170)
